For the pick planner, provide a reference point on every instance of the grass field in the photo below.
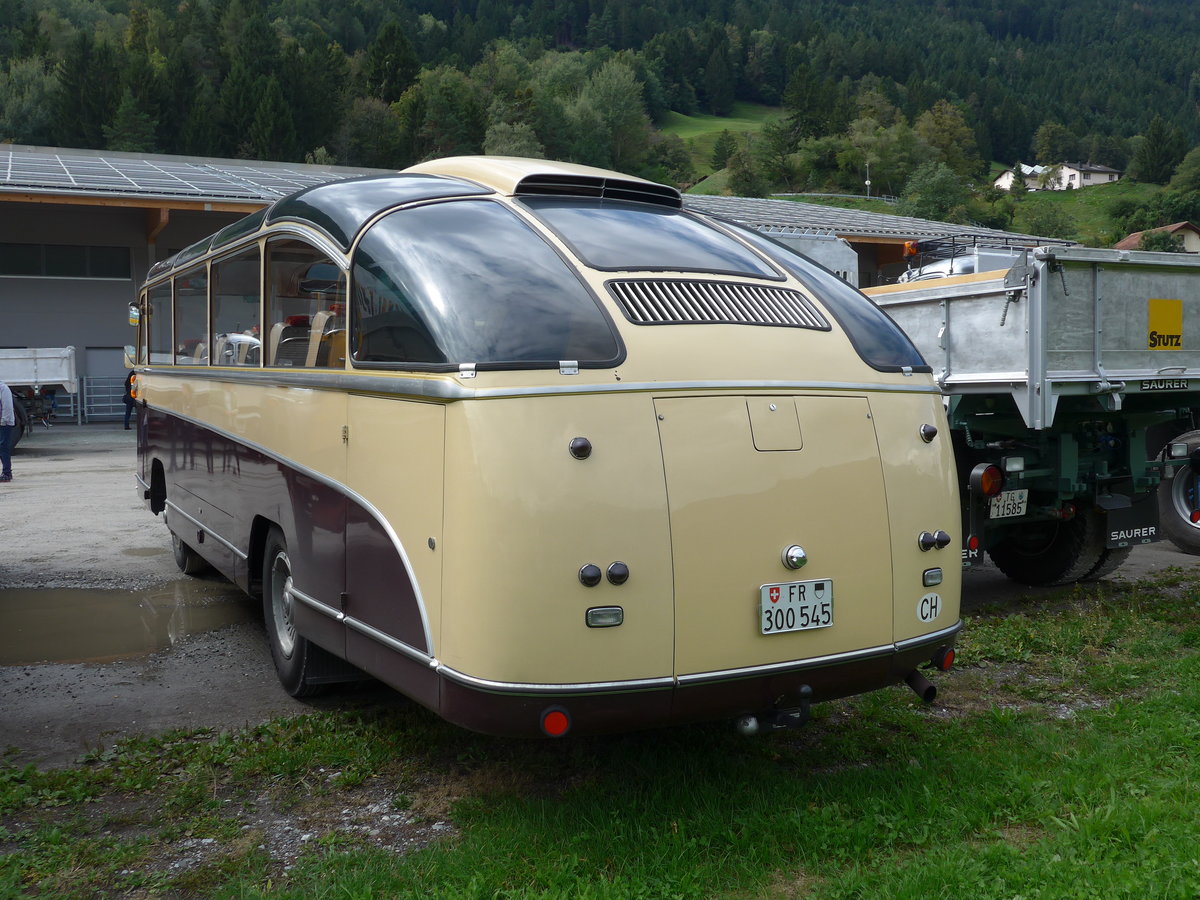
(1058, 761)
(700, 132)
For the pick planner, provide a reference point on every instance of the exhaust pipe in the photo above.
(921, 685)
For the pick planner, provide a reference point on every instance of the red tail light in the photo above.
(987, 479)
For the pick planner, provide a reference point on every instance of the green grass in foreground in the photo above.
(1060, 761)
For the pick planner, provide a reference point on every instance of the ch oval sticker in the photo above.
(929, 607)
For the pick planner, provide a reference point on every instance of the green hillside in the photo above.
(700, 131)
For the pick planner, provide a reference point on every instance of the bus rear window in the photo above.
(469, 282)
(879, 341)
(613, 235)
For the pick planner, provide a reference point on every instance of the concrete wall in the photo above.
(89, 314)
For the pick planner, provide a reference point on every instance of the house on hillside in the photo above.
(1060, 177)
(1186, 230)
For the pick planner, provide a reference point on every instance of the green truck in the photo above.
(1072, 383)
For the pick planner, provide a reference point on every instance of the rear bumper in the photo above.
(517, 710)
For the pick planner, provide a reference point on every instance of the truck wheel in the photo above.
(1110, 560)
(21, 426)
(296, 658)
(1047, 553)
(1177, 497)
(189, 561)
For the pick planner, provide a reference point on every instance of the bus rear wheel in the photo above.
(1052, 552)
(189, 561)
(1178, 497)
(296, 658)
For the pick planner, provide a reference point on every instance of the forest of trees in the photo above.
(893, 84)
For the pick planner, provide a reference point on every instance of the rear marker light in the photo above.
(605, 616)
(590, 575)
(941, 540)
(926, 541)
(987, 480)
(931, 577)
(943, 659)
(973, 542)
(618, 573)
(928, 433)
(556, 721)
(580, 448)
(1178, 451)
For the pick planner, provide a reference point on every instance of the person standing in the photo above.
(129, 402)
(8, 419)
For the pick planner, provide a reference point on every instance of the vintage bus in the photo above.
(549, 454)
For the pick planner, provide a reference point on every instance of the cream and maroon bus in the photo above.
(548, 453)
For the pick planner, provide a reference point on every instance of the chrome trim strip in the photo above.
(174, 507)
(791, 665)
(700, 677)
(444, 388)
(388, 641)
(341, 489)
(931, 638)
(595, 687)
(313, 603)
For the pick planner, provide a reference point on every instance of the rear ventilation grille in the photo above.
(662, 302)
(603, 188)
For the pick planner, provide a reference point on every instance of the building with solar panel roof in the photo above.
(81, 228)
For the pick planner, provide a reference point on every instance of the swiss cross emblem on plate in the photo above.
(774, 595)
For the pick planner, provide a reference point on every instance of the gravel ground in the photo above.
(183, 652)
(72, 519)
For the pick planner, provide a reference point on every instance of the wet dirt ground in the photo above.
(101, 636)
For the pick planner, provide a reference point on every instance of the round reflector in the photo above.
(987, 479)
(556, 721)
(973, 542)
(1195, 516)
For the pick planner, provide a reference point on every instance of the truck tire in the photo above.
(21, 426)
(1053, 552)
(1177, 497)
(1110, 560)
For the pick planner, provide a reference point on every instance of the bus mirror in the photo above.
(135, 315)
(130, 357)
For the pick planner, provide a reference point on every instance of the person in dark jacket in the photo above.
(128, 398)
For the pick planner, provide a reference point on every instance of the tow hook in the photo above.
(923, 687)
(777, 719)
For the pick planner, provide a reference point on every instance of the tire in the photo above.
(189, 561)
(297, 660)
(1110, 560)
(1177, 497)
(1049, 553)
(21, 426)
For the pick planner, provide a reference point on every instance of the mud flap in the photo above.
(1128, 523)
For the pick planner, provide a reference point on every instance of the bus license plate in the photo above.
(1007, 504)
(795, 606)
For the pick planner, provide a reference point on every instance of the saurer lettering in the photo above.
(1149, 531)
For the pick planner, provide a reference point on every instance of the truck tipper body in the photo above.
(1072, 382)
(32, 373)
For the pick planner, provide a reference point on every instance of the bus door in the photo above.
(748, 477)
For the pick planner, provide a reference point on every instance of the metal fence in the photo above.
(101, 397)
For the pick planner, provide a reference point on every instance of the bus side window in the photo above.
(158, 326)
(235, 325)
(191, 318)
(305, 307)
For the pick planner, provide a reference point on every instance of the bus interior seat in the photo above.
(292, 334)
(323, 324)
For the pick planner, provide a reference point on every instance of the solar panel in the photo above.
(91, 173)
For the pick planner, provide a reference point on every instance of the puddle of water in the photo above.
(77, 625)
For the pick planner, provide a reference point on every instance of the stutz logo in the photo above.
(1165, 324)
